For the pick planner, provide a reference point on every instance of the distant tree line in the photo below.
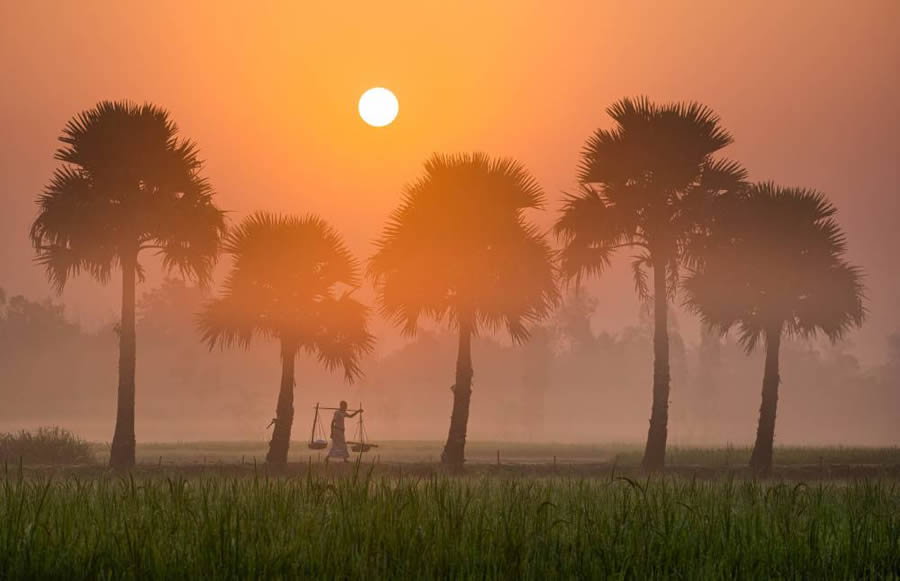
(765, 260)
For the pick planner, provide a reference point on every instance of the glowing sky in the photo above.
(809, 89)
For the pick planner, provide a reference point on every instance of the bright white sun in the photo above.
(378, 107)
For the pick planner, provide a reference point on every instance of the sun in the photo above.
(378, 107)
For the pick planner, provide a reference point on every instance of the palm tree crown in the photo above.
(460, 246)
(128, 183)
(645, 184)
(774, 260)
(291, 280)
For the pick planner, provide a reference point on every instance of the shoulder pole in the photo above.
(312, 434)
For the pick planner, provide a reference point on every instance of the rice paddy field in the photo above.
(207, 511)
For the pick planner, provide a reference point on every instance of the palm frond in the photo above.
(225, 322)
(458, 240)
(639, 274)
(516, 285)
(76, 229)
(286, 277)
(511, 185)
(722, 176)
(774, 259)
(591, 230)
(128, 183)
(343, 338)
(648, 183)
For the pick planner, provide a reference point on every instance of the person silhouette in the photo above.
(338, 440)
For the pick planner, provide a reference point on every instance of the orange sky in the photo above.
(810, 91)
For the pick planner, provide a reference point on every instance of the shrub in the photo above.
(47, 445)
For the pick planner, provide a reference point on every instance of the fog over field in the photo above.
(573, 382)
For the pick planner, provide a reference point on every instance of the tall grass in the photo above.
(48, 445)
(382, 527)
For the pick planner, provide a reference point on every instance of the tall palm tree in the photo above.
(127, 184)
(644, 185)
(459, 248)
(291, 280)
(773, 266)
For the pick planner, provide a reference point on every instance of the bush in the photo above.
(48, 445)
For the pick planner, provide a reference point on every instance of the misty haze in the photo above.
(572, 382)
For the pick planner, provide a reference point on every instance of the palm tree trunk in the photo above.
(761, 459)
(284, 411)
(122, 451)
(655, 452)
(454, 453)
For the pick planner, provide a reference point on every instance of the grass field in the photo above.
(208, 510)
(354, 524)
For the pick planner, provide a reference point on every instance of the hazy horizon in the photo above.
(566, 385)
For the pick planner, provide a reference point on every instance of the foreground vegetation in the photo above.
(47, 445)
(363, 526)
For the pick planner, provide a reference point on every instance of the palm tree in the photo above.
(458, 248)
(286, 284)
(772, 266)
(127, 184)
(644, 185)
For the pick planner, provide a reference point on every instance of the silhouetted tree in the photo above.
(773, 266)
(28, 325)
(127, 184)
(165, 313)
(165, 322)
(573, 321)
(459, 248)
(285, 284)
(707, 377)
(645, 185)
